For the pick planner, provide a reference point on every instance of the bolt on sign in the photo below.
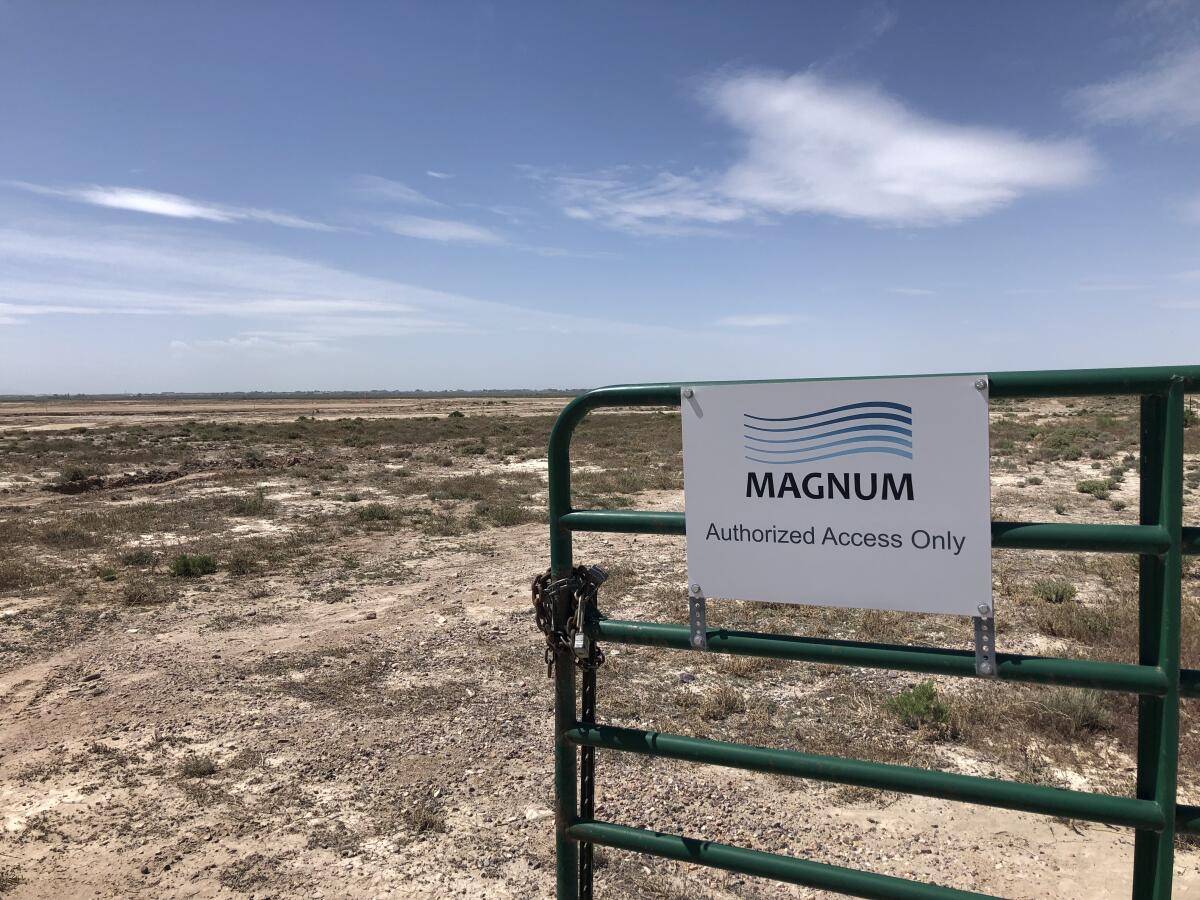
(869, 493)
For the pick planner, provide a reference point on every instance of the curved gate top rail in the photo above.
(1160, 540)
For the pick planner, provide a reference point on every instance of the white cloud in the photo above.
(432, 173)
(666, 204)
(445, 230)
(173, 206)
(387, 189)
(812, 146)
(755, 321)
(1163, 94)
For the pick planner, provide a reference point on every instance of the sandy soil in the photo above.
(385, 732)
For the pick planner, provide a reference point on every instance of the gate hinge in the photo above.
(985, 643)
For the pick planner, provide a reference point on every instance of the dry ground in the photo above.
(245, 654)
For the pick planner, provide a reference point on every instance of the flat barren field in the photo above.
(281, 649)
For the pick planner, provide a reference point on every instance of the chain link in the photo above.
(581, 585)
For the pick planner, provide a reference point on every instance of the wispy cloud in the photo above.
(443, 230)
(376, 187)
(756, 321)
(666, 204)
(813, 146)
(1163, 94)
(174, 206)
(271, 301)
(433, 173)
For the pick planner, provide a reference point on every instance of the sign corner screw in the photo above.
(688, 393)
(981, 384)
(696, 589)
(984, 609)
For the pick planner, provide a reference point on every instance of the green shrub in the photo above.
(1060, 508)
(1097, 487)
(1071, 712)
(918, 706)
(193, 566)
(105, 573)
(1118, 505)
(1033, 480)
(505, 513)
(375, 512)
(1054, 590)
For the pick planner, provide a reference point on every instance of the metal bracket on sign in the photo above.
(985, 642)
(697, 618)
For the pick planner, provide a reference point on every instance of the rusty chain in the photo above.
(582, 585)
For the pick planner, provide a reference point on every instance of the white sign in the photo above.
(868, 493)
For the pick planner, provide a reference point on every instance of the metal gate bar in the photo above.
(1160, 541)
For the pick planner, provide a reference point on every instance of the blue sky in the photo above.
(274, 196)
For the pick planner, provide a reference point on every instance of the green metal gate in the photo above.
(1160, 541)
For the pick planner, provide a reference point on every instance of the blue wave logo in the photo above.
(876, 426)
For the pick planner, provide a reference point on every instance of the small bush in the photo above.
(139, 556)
(375, 512)
(423, 817)
(1118, 505)
(1054, 590)
(78, 473)
(242, 562)
(196, 766)
(1096, 487)
(16, 574)
(1060, 508)
(505, 513)
(1071, 712)
(143, 592)
(255, 504)
(456, 414)
(918, 706)
(1034, 480)
(721, 702)
(106, 574)
(193, 566)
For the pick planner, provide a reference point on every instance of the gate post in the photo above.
(566, 851)
(1159, 589)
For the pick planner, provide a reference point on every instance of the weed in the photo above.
(423, 817)
(193, 566)
(375, 512)
(1054, 590)
(918, 706)
(16, 574)
(1033, 480)
(242, 562)
(104, 573)
(255, 504)
(1096, 487)
(138, 556)
(143, 592)
(721, 702)
(1070, 712)
(196, 766)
